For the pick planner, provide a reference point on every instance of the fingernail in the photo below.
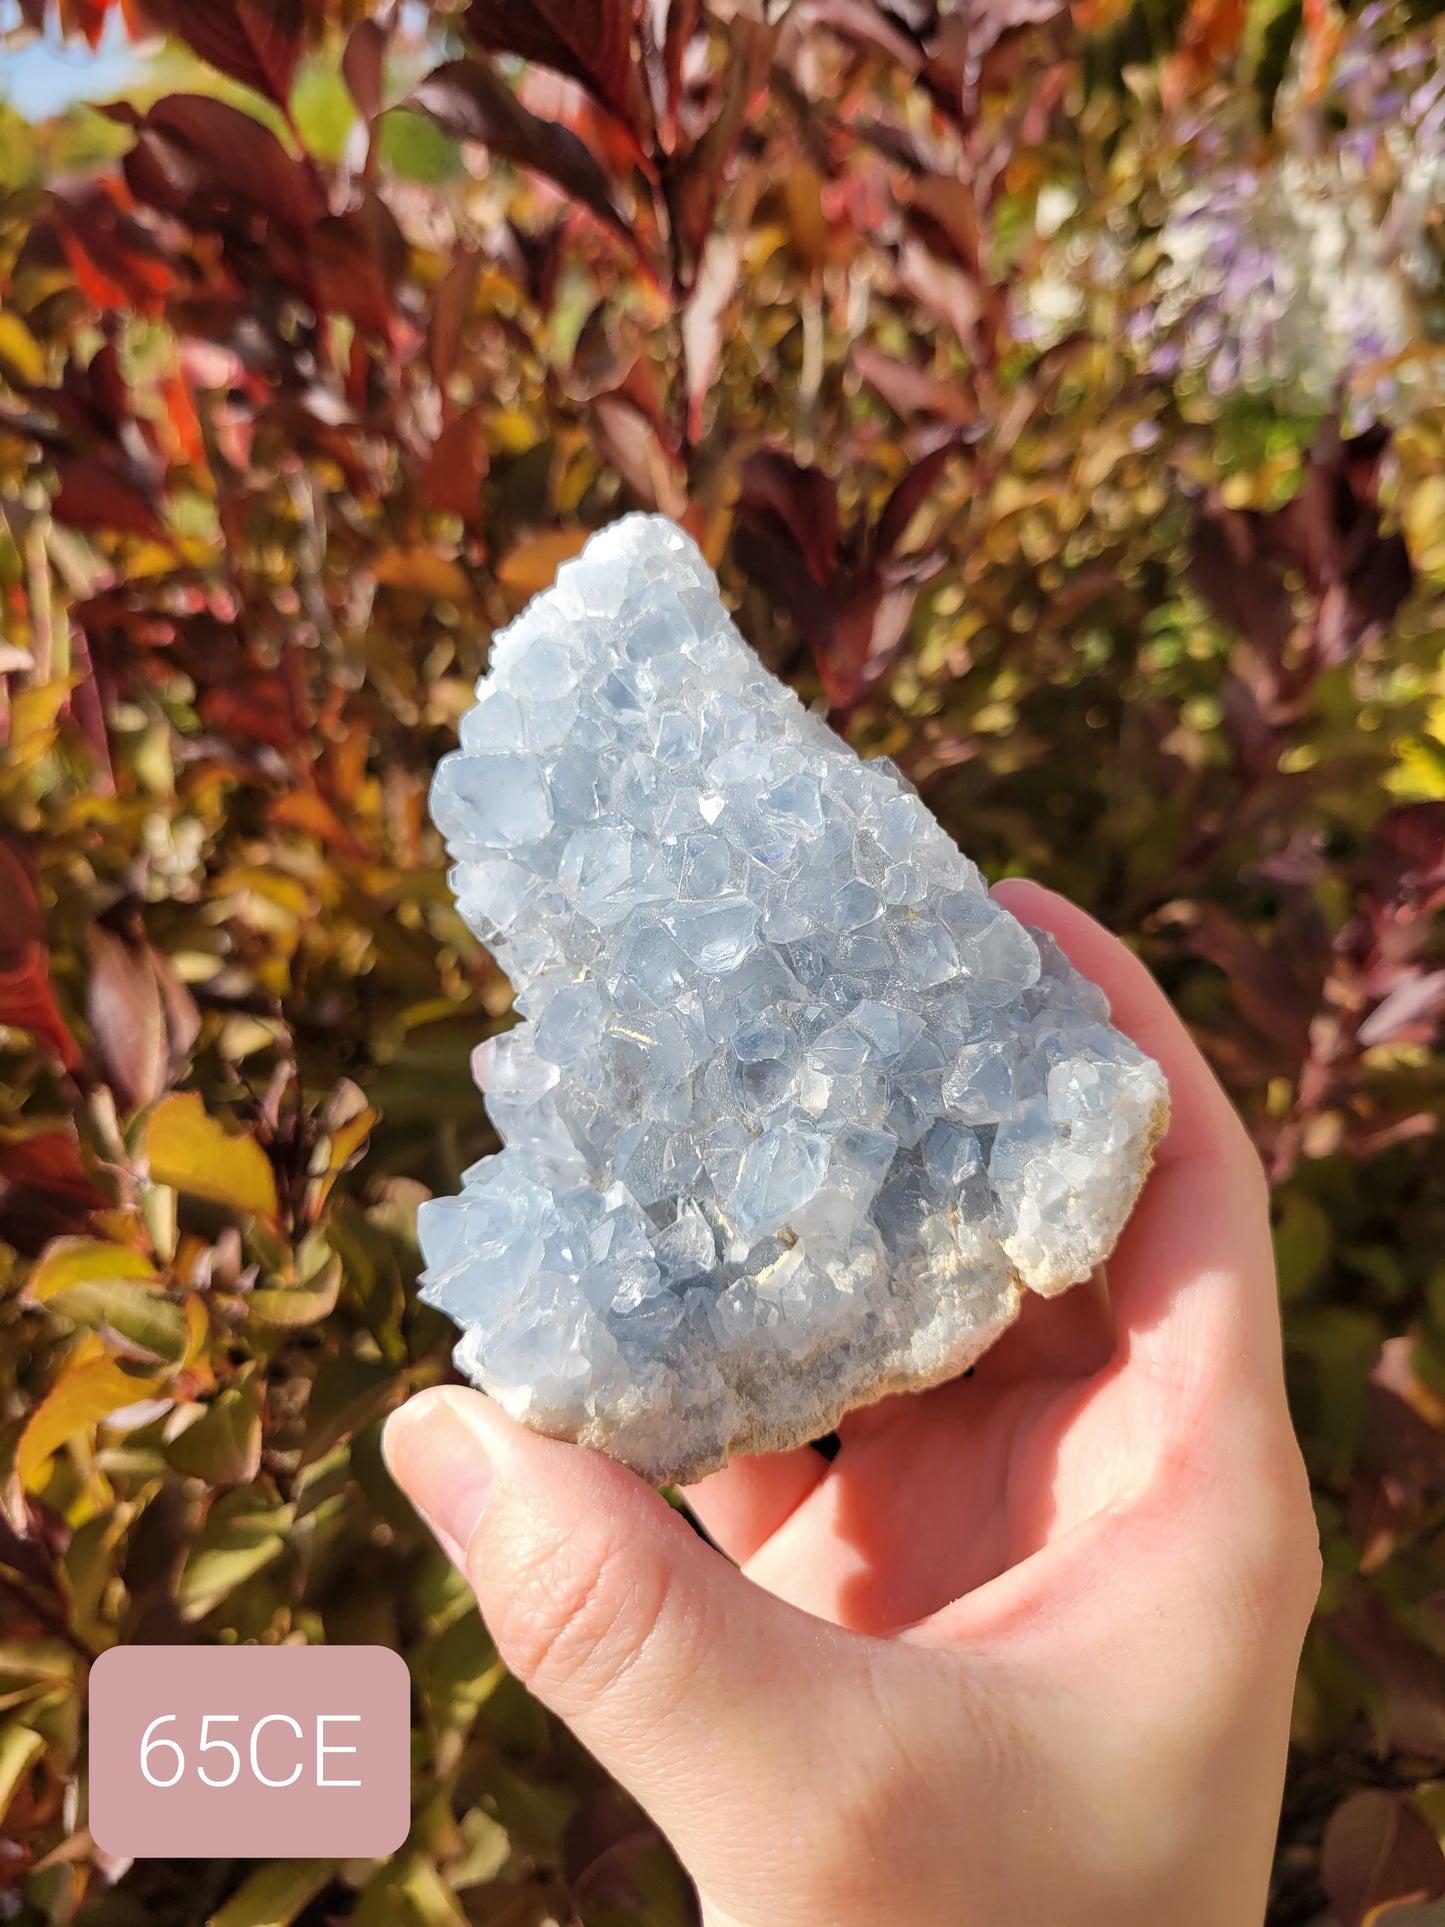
(439, 1461)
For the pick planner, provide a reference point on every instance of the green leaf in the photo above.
(346, 1392)
(274, 1895)
(136, 1321)
(459, 1674)
(323, 111)
(239, 1539)
(223, 1446)
(414, 147)
(88, 1568)
(294, 1305)
(408, 1892)
(487, 1851)
(1301, 1246)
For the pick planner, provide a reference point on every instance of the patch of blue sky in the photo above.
(47, 75)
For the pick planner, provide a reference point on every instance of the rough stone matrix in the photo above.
(795, 1112)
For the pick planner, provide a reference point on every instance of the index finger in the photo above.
(1203, 1122)
(1192, 1276)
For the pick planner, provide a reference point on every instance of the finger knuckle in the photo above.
(1277, 1566)
(1253, 1178)
(1292, 1559)
(576, 1614)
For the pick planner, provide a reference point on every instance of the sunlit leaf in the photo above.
(297, 1305)
(20, 1748)
(274, 1895)
(188, 1149)
(223, 1446)
(533, 565)
(85, 1394)
(81, 1261)
(240, 1538)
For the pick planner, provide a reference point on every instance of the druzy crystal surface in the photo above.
(795, 1112)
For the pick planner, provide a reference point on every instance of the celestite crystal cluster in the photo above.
(795, 1111)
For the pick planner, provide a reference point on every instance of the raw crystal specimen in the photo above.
(796, 1111)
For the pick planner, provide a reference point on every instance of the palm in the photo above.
(933, 1494)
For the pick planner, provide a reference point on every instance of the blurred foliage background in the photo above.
(1057, 387)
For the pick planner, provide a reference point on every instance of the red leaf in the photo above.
(867, 634)
(87, 711)
(124, 1007)
(356, 261)
(196, 158)
(251, 705)
(84, 17)
(363, 64)
(1265, 986)
(1207, 41)
(673, 25)
(142, 1017)
(1407, 1677)
(24, 918)
(452, 478)
(451, 310)
(851, 599)
(467, 100)
(650, 467)
(257, 42)
(700, 181)
(1406, 863)
(590, 40)
(704, 322)
(106, 388)
(1412, 1007)
(117, 262)
(45, 1191)
(1378, 1849)
(944, 289)
(27, 1000)
(800, 503)
(1330, 533)
(909, 391)
(94, 496)
(909, 496)
(917, 17)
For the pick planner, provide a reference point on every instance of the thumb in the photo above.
(699, 1692)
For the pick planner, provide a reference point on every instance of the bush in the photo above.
(1057, 393)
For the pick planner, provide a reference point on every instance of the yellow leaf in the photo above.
(149, 559)
(534, 565)
(80, 1398)
(190, 1151)
(424, 570)
(34, 719)
(348, 1138)
(803, 194)
(20, 1748)
(84, 1261)
(1424, 514)
(20, 349)
(514, 431)
(198, 1330)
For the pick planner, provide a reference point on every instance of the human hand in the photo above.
(1022, 1653)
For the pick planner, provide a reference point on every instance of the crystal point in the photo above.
(796, 1112)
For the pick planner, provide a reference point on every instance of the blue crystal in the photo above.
(795, 1112)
